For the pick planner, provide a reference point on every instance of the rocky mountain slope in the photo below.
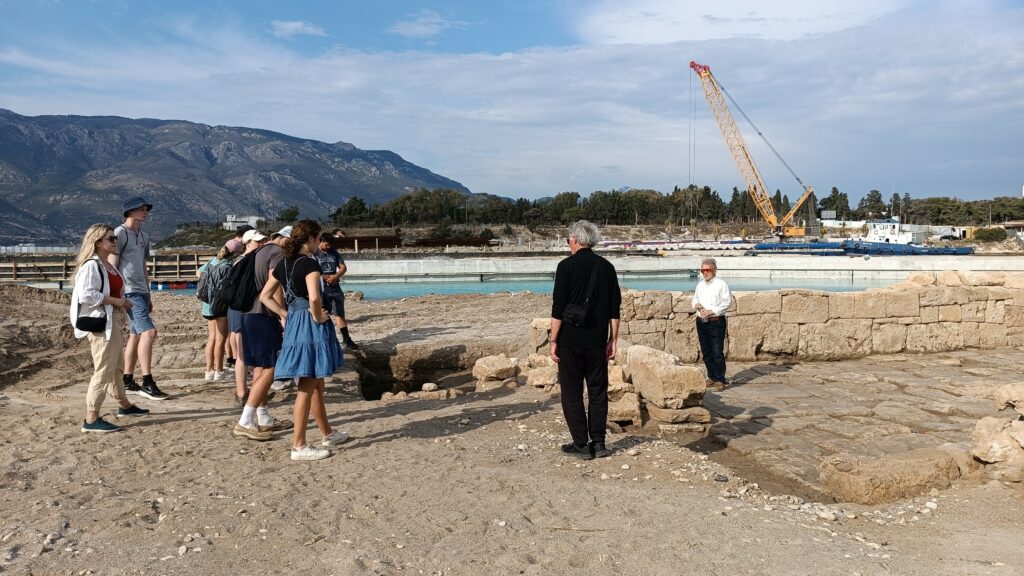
(58, 174)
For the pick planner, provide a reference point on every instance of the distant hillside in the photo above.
(58, 174)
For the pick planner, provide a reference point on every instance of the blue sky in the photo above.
(531, 98)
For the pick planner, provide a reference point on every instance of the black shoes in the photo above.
(229, 362)
(132, 410)
(130, 386)
(599, 450)
(582, 452)
(350, 345)
(150, 390)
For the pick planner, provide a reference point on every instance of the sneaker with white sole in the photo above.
(101, 425)
(334, 438)
(219, 375)
(309, 452)
(208, 375)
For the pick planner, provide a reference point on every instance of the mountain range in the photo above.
(59, 174)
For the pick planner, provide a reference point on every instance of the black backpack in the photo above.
(239, 289)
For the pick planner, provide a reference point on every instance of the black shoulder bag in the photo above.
(576, 314)
(92, 323)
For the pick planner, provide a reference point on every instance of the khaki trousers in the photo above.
(108, 365)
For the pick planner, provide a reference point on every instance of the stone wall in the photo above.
(929, 312)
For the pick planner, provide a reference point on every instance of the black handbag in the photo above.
(576, 314)
(92, 323)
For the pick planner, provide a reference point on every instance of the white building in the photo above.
(233, 222)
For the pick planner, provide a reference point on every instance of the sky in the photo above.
(529, 98)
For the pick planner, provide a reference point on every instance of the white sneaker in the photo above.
(309, 452)
(219, 375)
(208, 375)
(334, 438)
(280, 385)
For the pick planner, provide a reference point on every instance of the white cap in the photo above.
(286, 232)
(251, 235)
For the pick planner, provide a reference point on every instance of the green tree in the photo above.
(837, 201)
(872, 205)
(289, 214)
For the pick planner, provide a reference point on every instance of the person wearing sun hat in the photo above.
(130, 260)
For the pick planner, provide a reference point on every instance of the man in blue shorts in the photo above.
(332, 268)
(130, 261)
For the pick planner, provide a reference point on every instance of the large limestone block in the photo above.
(991, 336)
(1000, 441)
(869, 304)
(618, 383)
(937, 337)
(681, 338)
(627, 311)
(902, 304)
(930, 314)
(949, 278)
(999, 293)
(972, 334)
(662, 381)
(978, 278)
(656, 340)
(540, 330)
(682, 302)
(888, 338)
(804, 307)
(995, 311)
(868, 480)
(920, 279)
(976, 293)
(835, 340)
(1010, 396)
(842, 305)
(652, 304)
(625, 409)
(1015, 336)
(697, 414)
(1013, 316)
(497, 367)
(758, 336)
(942, 296)
(539, 361)
(543, 377)
(767, 302)
(1014, 280)
(950, 313)
(973, 312)
(653, 326)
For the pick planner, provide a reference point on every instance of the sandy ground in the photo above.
(472, 485)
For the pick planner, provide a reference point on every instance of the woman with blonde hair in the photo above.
(310, 350)
(98, 312)
(216, 320)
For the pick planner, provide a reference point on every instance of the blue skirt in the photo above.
(310, 350)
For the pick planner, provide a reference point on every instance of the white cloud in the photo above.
(664, 21)
(289, 28)
(424, 24)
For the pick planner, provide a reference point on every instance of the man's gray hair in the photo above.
(709, 262)
(586, 233)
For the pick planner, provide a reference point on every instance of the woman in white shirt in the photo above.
(98, 312)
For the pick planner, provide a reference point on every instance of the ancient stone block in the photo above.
(804, 307)
(869, 304)
(540, 329)
(1014, 280)
(867, 480)
(652, 304)
(949, 278)
(999, 293)
(542, 377)
(624, 328)
(656, 341)
(979, 278)
(835, 340)
(618, 383)
(627, 311)
(972, 334)
(662, 381)
(991, 336)
(995, 311)
(903, 303)
(1010, 396)
(681, 338)
(972, 312)
(1015, 336)
(540, 361)
(930, 314)
(753, 337)
(697, 414)
(920, 279)
(942, 296)
(768, 302)
(950, 313)
(497, 367)
(842, 305)
(937, 337)
(976, 293)
(888, 338)
(1000, 441)
(625, 409)
(652, 326)
(682, 302)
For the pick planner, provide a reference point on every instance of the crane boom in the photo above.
(744, 161)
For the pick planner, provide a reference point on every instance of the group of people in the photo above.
(284, 333)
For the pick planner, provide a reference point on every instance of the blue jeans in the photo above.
(712, 346)
(139, 314)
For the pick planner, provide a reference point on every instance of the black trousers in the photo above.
(712, 346)
(575, 366)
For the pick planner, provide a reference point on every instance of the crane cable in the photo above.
(759, 133)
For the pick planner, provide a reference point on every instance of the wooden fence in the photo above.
(165, 267)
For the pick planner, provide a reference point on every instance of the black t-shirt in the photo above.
(300, 267)
(572, 278)
(329, 262)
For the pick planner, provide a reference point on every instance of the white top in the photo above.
(87, 298)
(713, 295)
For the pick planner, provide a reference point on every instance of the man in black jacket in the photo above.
(584, 330)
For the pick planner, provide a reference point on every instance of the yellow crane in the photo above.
(745, 162)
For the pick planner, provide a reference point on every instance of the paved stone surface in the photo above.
(789, 418)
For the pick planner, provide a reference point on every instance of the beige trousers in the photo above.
(108, 365)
